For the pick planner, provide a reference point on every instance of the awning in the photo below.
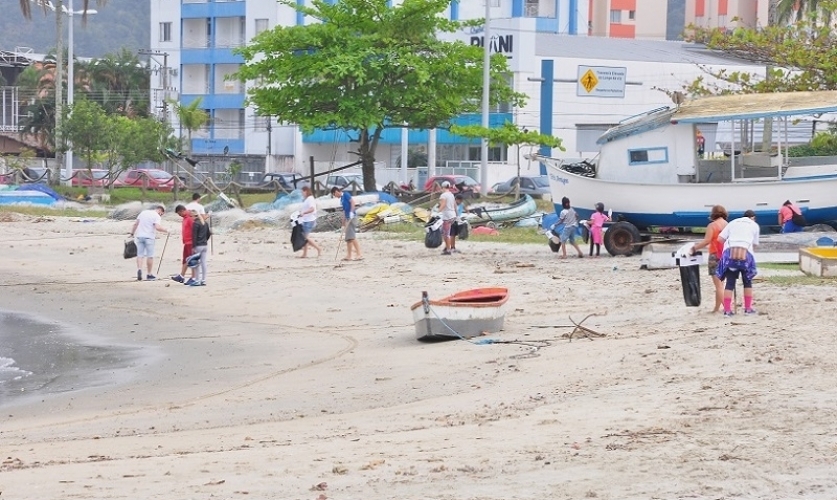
(751, 106)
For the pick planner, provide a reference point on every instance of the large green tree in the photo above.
(365, 66)
(191, 117)
(87, 127)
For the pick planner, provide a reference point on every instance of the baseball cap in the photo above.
(445, 184)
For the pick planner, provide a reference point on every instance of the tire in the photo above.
(554, 246)
(620, 238)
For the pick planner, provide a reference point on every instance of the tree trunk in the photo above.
(366, 150)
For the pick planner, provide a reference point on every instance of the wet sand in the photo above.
(290, 378)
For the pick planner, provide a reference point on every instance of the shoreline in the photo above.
(283, 374)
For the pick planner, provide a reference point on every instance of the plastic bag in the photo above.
(130, 250)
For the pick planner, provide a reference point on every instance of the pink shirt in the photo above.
(599, 219)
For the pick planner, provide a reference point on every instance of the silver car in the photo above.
(534, 186)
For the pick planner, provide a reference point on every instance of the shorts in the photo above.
(568, 234)
(350, 229)
(446, 227)
(307, 227)
(145, 247)
(187, 251)
(712, 262)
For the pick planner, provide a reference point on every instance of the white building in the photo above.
(195, 38)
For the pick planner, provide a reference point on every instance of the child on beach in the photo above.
(597, 221)
(200, 242)
(568, 217)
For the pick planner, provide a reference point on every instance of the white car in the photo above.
(343, 180)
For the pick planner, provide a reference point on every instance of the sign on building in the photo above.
(601, 81)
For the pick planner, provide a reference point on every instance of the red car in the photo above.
(151, 178)
(96, 177)
(459, 183)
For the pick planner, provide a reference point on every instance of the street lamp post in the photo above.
(68, 167)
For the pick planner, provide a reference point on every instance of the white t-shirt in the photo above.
(147, 220)
(449, 212)
(197, 207)
(742, 232)
(307, 204)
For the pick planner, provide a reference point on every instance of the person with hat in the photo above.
(200, 243)
(447, 209)
(144, 232)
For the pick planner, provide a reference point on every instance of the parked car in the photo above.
(460, 183)
(536, 186)
(35, 174)
(343, 180)
(96, 177)
(288, 181)
(151, 178)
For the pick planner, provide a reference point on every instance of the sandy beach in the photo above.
(302, 379)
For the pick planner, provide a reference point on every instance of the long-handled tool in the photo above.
(160, 263)
(340, 241)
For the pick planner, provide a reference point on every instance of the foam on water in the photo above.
(9, 372)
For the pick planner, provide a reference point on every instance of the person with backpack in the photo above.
(568, 217)
(790, 218)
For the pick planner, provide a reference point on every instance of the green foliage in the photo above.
(509, 134)
(367, 66)
(86, 126)
(802, 55)
(192, 117)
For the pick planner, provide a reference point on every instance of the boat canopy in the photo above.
(752, 106)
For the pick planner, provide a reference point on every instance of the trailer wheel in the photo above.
(620, 238)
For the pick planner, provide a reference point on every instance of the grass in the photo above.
(780, 266)
(801, 279)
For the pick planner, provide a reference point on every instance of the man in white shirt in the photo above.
(196, 206)
(308, 218)
(447, 208)
(740, 238)
(144, 232)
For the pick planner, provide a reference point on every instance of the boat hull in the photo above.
(524, 208)
(689, 205)
(463, 315)
(28, 197)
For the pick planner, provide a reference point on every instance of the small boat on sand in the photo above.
(463, 315)
(489, 213)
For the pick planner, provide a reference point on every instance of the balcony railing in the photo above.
(195, 42)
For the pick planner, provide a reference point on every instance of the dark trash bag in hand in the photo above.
(130, 249)
(433, 233)
(298, 240)
(798, 219)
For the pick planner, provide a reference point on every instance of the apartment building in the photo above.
(666, 19)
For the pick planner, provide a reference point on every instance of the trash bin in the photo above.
(689, 266)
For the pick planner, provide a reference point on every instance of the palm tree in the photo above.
(191, 117)
(26, 8)
(120, 83)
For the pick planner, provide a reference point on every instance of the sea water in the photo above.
(39, 358)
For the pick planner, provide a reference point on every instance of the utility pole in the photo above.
(164, 78)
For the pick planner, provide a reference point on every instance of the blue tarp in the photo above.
(43, 188)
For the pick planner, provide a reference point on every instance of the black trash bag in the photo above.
(433, 233)
(130, 250)
(298, 240)
(460, 230)
(690, 279)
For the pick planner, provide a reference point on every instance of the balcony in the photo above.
(230, 8)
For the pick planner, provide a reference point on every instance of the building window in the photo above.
(616, 16)
(261, 25)
(632, 15)
(165, 32)
(530, 8)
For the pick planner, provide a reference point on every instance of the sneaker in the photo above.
(750, 312)
(453, 250)
(729, 314)
(139, 274)
(177, 278)
(203, 283)
(190, 282)
(150, 277)
(195, 283)
(446, 252)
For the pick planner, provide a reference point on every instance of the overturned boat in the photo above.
(477, 215)
(463, 315)
(651, 172)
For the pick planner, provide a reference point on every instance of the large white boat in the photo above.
(650, 173)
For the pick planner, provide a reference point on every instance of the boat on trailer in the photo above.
(463, 315)
(650, 174)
